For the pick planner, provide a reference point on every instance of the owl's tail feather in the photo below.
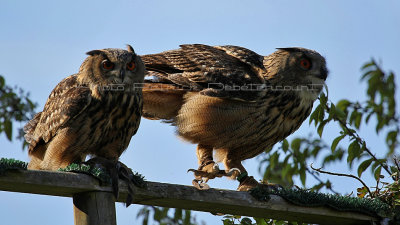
(162, 101)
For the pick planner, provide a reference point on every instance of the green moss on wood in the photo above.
(302, 197)
(11, 164)
(101, 174)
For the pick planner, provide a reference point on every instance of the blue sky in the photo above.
(41, 42)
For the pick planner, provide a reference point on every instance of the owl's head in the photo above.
(112, 66)
(300, 68)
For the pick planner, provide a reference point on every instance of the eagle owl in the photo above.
(231, 100)
(94, 112)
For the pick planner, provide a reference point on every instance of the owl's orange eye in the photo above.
(131, 66)
(305, 64)
(108, 65)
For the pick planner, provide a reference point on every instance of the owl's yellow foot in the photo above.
(209, 170)
(248, 182)
(117, 170)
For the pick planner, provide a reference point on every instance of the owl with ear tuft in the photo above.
(232, 102)
(94, 112)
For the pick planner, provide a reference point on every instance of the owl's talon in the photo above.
(199, 184)
(249, 183)
(117, 170)
(209, 171)
(216, 167)
(232, 171)
(191, 170)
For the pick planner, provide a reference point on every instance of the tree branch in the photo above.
(319, 180)
(343, 175)
(359, 140)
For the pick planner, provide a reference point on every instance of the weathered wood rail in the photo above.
(95, 204)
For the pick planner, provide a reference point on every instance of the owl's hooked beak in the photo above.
(122, 74)
(323, 73)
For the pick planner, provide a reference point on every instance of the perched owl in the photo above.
(232, 101)
(94, 112)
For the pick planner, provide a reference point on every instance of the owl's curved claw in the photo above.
(232, 171)
(190, 170)
(199, 184)
(209, 171)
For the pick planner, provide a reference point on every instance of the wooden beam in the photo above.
(178, 196)
(94, 208)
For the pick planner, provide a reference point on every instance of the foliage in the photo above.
(310, 198)
(239, 220)
(11, 164)
(15, 106)
(291, 159)
(164, 216)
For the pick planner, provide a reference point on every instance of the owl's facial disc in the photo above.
(119, 72)
(112, 71)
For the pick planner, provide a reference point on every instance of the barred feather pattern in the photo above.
(235, 124)
(84, 116)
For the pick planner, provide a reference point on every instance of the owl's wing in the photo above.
(214, 71)
(67, 101)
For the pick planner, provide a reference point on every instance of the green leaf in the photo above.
(377, 163)
(164, 213)
(273, 160)
(368, 117)
(393, 169)
(363, 166)
(2, 81)
(379, 125)
(8, 129)
(279, 222)
(246, 221)
(260, 221)
(321, 126)
(361, 192)
(157, 215)
(391, 140)
(302, 173)
(323, 99)
(178, 214)
(332, 111)
(227, 222)
(369, 64)
(321, 113)
(353, 152)
(377, 173)
(358, 119)
(340, 114)
(186, 221)
(318, 187)
(353, 116)
(285, 145)
(343, 104)
(286, 170)
(314, 115)
(336, 141)
(296, 144)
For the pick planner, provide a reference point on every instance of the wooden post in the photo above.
(94, 208)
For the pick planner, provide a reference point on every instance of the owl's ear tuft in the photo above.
(291, 49)
(130, 49)
(94, 52)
